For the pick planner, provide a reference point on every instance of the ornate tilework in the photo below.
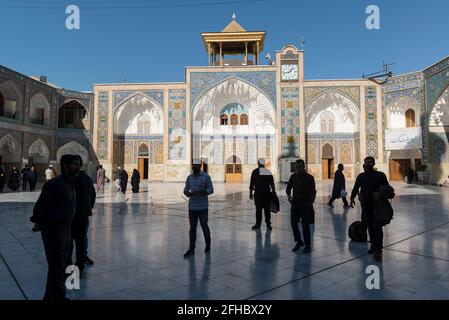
(102, 136)
(411, 86)
(439, 150)
(120, 96)
(371, 121)
(290, 122)
(436, 85)
(200, 82)
(177, 124)
(352, 93)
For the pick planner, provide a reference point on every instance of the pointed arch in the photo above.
(40, 109)
(73, 147)
(233, 91)
(10, 149)
(128, 112)
(343, 108)
(73, 115)
(13, 100)
(39, 152)
(439, 114)
(396, 112)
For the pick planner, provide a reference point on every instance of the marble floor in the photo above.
(137, 242)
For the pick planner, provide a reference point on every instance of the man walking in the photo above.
(262, 184)
(339, 187)
(198, 187)
(52, 215)
(367, 185)
(85, 200)
(304, 193)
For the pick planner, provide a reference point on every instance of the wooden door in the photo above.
(141, 165)
(399, 168)
(234, 172)
(325, 168)
(330, 169)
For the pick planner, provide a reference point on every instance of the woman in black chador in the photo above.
(135, 181)
(14, 179)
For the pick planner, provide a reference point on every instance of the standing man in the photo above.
(262, 184)
(339, 186)
(52, 215)
(2, 178)
(366, 185)
(101, 177)
(25, 176)
(32, 177)
(123, 176)
(49, 173)
(85, 201)
(304, 193)
(198, 188)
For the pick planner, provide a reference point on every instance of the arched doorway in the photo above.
(233, 125)
(234, 172)
(143, 160)
(332, 119)
(10, 153)
(39, 157)
(138, 135)
(327, 162)
(73, 115)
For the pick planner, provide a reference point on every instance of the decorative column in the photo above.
(246, 53)
(221, 54)
(208, 57)
(257, 57)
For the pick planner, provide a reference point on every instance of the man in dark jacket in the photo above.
(304, 193)
(367, 185)
(25, 176)
(339, 186)
(2, 178)
(52, 215)
(85, 201)
(123, 176)
(262, 184)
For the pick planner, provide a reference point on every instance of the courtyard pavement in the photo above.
(137, 242)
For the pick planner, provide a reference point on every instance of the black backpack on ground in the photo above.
(356, 233)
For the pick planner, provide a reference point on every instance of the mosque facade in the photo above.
(231, 112)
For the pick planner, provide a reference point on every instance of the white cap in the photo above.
(196, 161)
(50, 166)
(261, 161)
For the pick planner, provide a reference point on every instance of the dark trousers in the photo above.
(123, 187)
(202, 216)
(2, 185)
(85, 238)
(32, 185)
(263, 202)
(374, 228)
(345, 201)
(79, 230)
(56, 238)
(301, 210)
(24, 183)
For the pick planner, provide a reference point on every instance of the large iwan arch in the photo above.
(218, 141)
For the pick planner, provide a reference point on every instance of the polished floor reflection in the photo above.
(137, 242)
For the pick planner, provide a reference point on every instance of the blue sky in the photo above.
(155, 44)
